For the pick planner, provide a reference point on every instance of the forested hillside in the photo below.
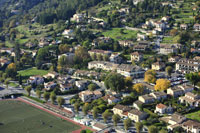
(46, 11)
(15, 9)
(52, 10)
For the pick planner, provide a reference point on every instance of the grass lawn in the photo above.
(22, 41)
(100, 7)
(35, 32)
(18, 117)
(31, 72)
(13, 84)
(170, 39)
(194, 115)
(128, 57)
(116, 35)
(146, 56)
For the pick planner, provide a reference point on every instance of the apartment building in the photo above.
(188, 65)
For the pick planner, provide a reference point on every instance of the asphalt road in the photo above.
(10, 90)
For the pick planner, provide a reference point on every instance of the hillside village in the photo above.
(113, 70)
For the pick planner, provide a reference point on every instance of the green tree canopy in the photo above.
(38, 93)
(194, 78)
(46, 96)
(53, 97)
(115, 82)
(42, 54)
(163, 131)
(28, 90)
(116, 119)
(152, 129)
(76, 107)
(6, 82)
(138, 126)
(63, 48)
(127, 123)
(60, 101)
(169, 70)
(85, 108)
(95, 112)
(106, 115)
(92, 86)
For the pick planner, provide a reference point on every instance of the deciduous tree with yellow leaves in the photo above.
(139, 88)
(150, 76)
(151, 72)
(162, 84)
(11, 70)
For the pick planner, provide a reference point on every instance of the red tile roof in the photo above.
(161, 106)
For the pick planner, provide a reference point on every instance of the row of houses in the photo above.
(196, 27)
(112, 57)
(100, 40)
(124, 69)
(188, 65)
(65, 83)
(129, 43)
(174, 59)
(85, 73)
(125, 111)
(152, 97)
(183, 65)
(111, 99)
(158, 96)
(42, 42)
(164, 48)
(159, 26)
(169, 48)
(82, 17)
(158, 66)
(99, 52)
(190, 99)
(177, 120)
(69, 56)
(163, 24)
(88, 96)
(79, 17)
(11, 51)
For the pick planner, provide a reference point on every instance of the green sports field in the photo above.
(18, 117)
